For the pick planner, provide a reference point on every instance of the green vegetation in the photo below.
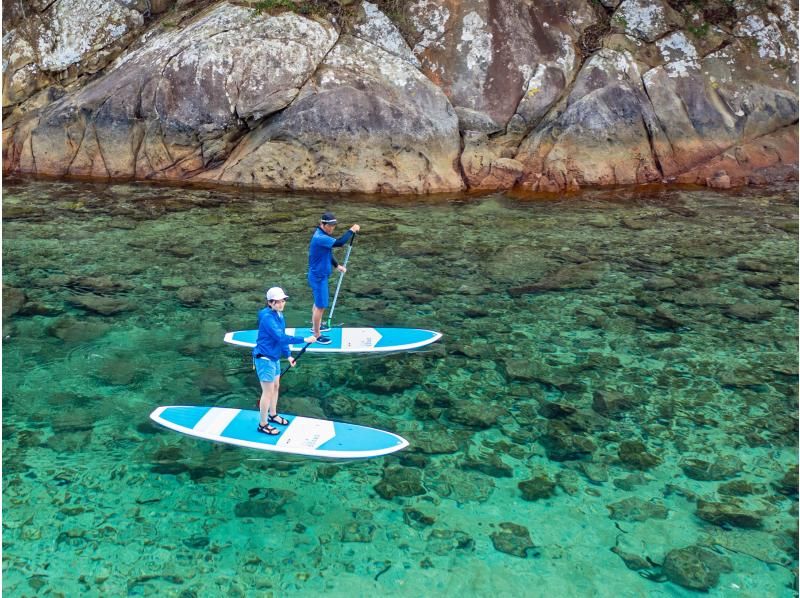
(278, 6)
(699, 31)
(345, 13)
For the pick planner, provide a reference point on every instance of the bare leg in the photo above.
(273, 402)
(265, 404)
(316, 319)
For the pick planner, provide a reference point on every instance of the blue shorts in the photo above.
(319, 288)
(267, 369)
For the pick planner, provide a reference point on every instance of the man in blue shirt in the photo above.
(320, 265)
(272, 344)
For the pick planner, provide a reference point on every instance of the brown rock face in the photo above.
(489, 55)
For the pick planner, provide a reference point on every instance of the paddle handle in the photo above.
(300, 354)
(341, 277)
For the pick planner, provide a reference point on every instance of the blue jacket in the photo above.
(320, 253)
(273, 342)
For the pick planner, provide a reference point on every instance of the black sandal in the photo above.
(281, 421)
(267, 429)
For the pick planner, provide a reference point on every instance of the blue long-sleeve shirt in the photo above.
(320, 253)
(273, 342)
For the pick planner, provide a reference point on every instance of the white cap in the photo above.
(275, 294)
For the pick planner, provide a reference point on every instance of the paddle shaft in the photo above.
(300, 354)
(341, 277)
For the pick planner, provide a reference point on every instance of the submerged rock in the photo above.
(269, 504)
(630, 482)
(568, 481)
(513, 539)
(636, 509)
(13, 300)
(99, 285)
(634, 454)
(741, 488)
(562, 444)
(77, 331)
(417, 519)
(443, 541)
(400, 481)
(632, 561)
(788, 484)
(555, 410)
(571, 277)
(491, 464)
(338, 405)
(613, 404)
(753, 312)
(461, 485)
(106, 306)
(528, 369)
(190, 295)
(723, 468)
(433, 442)
(597, 473)
(475, 414)
(358, 531)
(728, 513)
(537, 487)
(695, 567)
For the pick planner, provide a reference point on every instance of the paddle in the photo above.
(299, 355)
(341, 277)
(286, 369)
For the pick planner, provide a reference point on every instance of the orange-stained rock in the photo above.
(773, 157)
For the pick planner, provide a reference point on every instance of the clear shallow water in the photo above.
(619, 371)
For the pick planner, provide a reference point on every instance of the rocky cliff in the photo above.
(403, 97)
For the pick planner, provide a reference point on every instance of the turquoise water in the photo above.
(612, 410)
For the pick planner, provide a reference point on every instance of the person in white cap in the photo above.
(272, 344)
(320, 265)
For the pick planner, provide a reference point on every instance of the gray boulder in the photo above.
(366, 121)
(605, 122)
(175, 104)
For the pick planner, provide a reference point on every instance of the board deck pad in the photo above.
(350, 340)
(303, 436)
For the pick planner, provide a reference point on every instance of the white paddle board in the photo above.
(350, 340)
(302, 436)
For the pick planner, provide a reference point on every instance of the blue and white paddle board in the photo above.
(350, 340)
(302, 436)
